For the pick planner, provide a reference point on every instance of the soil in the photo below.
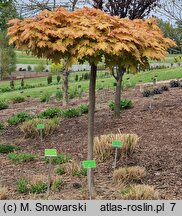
(159, 150)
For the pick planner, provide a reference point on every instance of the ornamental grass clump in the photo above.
(103, 145)
(29, 128)
(140, 192)
(127, 175)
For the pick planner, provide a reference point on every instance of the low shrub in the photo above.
(140, 192)
(29, 128)
(3, 105)
(60, 171)
(21, 185)
(71, 112)
(174, 83)
(156, 91)
(49, 79)
(3, 193)
(12, 84)
(59, 95)
(22, 83)
(60, 159)
(45, 97)
(18, 118)
(124, 104)
(103, 145)
(84, 108)
(1, 126)
(129, 175)
(51, 113)
(20, 157)
(18, 99)
(58, 78)
(164, 88)
(39, 187)
(6, 148)
(57, 184)
(73, 93)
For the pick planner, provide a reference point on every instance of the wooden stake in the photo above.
(115, 158)
(49, 176)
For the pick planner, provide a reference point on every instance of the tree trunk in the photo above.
(65, 86)
(91, 123)
(119, 79)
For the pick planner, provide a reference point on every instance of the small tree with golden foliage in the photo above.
(90, 35)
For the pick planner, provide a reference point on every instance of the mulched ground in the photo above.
(159, 151)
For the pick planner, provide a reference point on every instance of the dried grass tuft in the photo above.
(3, 193)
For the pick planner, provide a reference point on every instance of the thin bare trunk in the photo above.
(119, 79)
(65, 74)
(91, 122)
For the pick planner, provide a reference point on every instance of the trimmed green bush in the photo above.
(72, 112)
(51, 113)
(3, 105)
(18, 118)
(20, 157)
(18, 99)
(21, 185)
(1, 126)
(7, 148)
(124, 104)
(60, 159)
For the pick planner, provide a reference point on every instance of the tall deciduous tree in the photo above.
(133, 9)
(89, 35)
(172, 9)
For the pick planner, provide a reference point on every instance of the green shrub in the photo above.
(73, 93)
(56, 185)
(83, 108)
(124, 104)
(60, 159)
(59, 95)
(40, 67)
(51, 113)
(45, 97)
(21, 185)
(49, 79)
(58, 78)
(39, 187)
(18, 118)
(29, 68)
(60, 171)
(20, 157)
(12, 84)
(29, 128)
(82, 172)
(3, 105)
(76, 77)
(72, 112)
(22, 83)
(7, 148)
(1, 126)
(18, 99)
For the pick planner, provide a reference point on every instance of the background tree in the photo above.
(172, 9)
(7, 57)
(172, 31)
(90, 35)
(133, 9)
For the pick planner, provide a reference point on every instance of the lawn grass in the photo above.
(163, 74)
(24, 58)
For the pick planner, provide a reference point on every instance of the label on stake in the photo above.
(50, 153)
(117, 143)
(88, 164)
(40, 126)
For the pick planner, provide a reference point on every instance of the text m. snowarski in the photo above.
(67, 208)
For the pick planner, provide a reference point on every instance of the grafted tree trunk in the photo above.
(119, 78)
(65, 74)
(91, 123)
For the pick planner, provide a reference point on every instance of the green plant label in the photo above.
(50, 153)
(117, 143)
(40, 126)
(87, 164)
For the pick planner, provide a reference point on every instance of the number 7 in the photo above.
(173, 205)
